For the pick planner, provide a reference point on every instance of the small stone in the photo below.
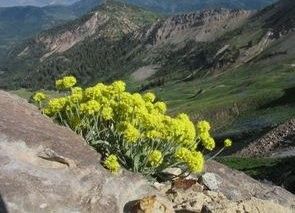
(211, 180)
(172, 171)
(43, 205)
(197, 187)
(162, 187)
(154, 204)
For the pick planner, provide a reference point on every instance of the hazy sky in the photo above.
(9, 3)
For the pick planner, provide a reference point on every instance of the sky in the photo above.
(10, 3)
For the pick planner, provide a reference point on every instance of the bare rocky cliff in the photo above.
(201, 26)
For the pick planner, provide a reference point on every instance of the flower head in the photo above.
(194, 160)
(39, 97)
(55, 105)
(90, 107)
(111, 163)
(155, 158)
(131, 134)
(69, 81)
(65, 83)
(119, 86)
(203, 126)
(161, 107)
(149, 97)
(227, 143)
(107, 113)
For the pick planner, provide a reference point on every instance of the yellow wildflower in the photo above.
(196, 162)
(55, 105)
(65, 83)
(208, 143)
(119, 86)
(39, 97)
(161, 107)
(131, 134)
(111, 163)
(69, 81)
(227, 143)
(203, 126)
(90, 107)
(107, 113)
(149, 97)
(155, 158)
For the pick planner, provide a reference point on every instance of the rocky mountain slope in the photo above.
(46, 167)
(136, 39)
(278, 142)
(23, 22)
(30, 17)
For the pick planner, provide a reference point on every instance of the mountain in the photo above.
(175, 6)
(110, 25)
(19, 23)
(23, 22)
(135, 36)
(170, 6)
(232, 67)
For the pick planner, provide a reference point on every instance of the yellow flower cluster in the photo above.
(111, 163)
(193, 159)
(140, 115)
(39, 97)
(66, 82)
(90, 107)
(227, 143)
(130, 133)
(55, 105)
(155, 158)
(109, 116)
(203, 128)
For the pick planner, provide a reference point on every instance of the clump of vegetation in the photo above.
(130, 130)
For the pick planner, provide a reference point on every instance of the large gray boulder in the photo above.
(47, 168)
(237, 186)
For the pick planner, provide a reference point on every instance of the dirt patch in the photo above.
(145, 72)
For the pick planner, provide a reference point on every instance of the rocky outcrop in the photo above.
(238, 186)
(187, 195)
(48, 168)
(278, 142)
(199, 26)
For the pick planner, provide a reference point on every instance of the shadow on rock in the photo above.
(3, 208)
(130, 207)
